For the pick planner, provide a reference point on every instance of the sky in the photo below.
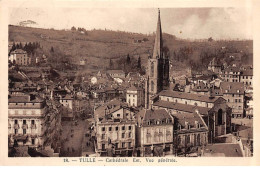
(186, 23)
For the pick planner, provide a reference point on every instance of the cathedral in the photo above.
(157, 73)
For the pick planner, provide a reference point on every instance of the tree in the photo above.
(128, 60)
(139, 63)
(52, 49)
(73, 28)
(111, 64)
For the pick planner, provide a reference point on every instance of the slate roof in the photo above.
(150, 115)
(18, 51)
(134, 88)
(248, 72)
(24, 99)
(190, 118)
(232, 87)
(115, 71)
(182, 107)
(111, 107)
(227, 150)
(189, 96)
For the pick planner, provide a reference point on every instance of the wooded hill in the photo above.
(100, 47)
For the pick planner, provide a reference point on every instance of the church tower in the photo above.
(158, 67)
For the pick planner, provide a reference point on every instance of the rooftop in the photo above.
(226, 150)
(182, 107)
(189, 96)
(232, 87)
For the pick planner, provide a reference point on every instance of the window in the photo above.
(129, 145)
(110, 128)
(118, 115)
(103, 136)
(152, 69)
(15, 131)
(103, 129)
(15, 121)
(152, 86)
(116, 128)
(123, 145)
(24, 121)
(188, 139)
(220, 117)
(129, 127)
(126, 114)
(24, 131)
(129, 135)
(123, 127)
(116, 145)
(33, 141)
(123, 135)
(103, 146)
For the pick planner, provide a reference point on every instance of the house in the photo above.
(115, 129)
(20, 57)
(231, 74)
(234, 93)
(135, 96)
(116, 74)
(214, 66)
(154, 133)
(246, 77)
(34, 122)
(214, 110)
(190, 132)
(25, 119)
(67, 101)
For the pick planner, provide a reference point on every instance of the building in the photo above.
(115, 129)
(231, 74)
(20, 57)
(154, 133)
(246, 77)
(33, 122)
(67, 101)
(214, 66)
(135, 96)
(234, 93)
(214, 110)
(190, 132)
(116, 73)
(157, 69)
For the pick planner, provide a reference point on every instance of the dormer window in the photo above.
(179, 127)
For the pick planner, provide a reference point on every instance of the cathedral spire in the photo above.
(158, 44)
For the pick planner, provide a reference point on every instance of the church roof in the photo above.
(190, 96)
(158, 44)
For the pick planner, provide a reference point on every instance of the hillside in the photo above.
(99, 46)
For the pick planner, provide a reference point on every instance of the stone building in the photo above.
(25, 119)
(20, 57)
(154, 133)
(234, 93)
(190, 132)
(115, 129)
(231, 74)
(135, 96)
(34, 122)
(214, 110)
